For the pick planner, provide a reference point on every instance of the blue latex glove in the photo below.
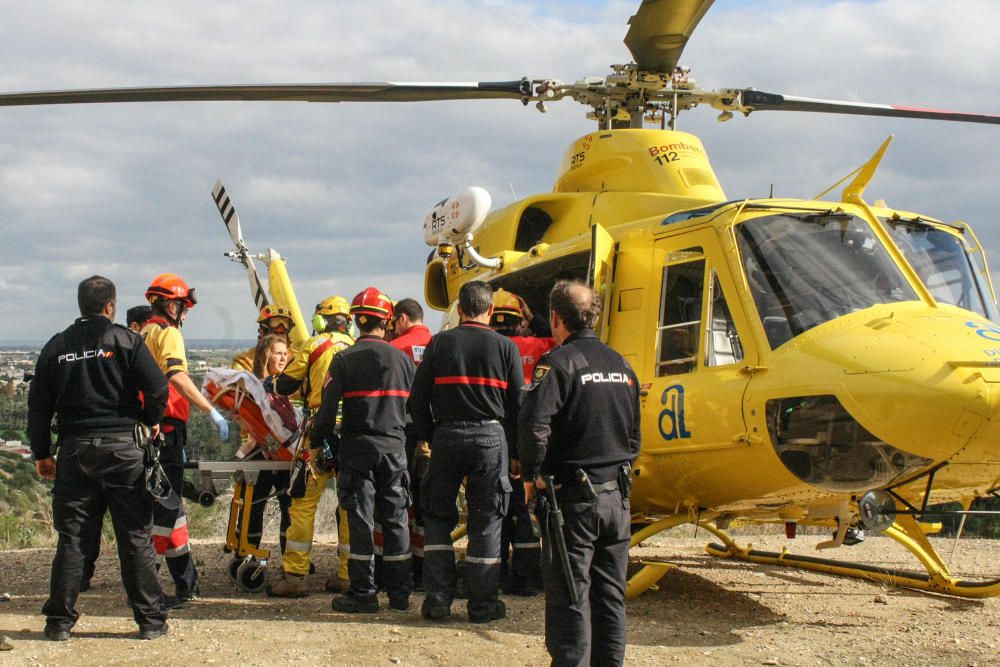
(220, 423)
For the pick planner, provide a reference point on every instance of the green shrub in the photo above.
(20, 533)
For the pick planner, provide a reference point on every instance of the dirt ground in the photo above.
(709, 611)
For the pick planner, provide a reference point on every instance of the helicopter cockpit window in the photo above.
(804, 270)
(943, 264)
(680, 318)
(723, 343)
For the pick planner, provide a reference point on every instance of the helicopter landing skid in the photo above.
(651, 571)
(906, 530)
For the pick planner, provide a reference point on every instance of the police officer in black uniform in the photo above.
(580, 423)
(89, 377)
(373, 380)
(465, 393)
(135, 319)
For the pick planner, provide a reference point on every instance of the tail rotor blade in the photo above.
(242, 254)
(229, 215)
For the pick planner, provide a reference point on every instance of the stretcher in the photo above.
(249, 565)
(242, 396)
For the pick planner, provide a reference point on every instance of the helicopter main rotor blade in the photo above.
(755, 100)
(307, 92)
(660, 29)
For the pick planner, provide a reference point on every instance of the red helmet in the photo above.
(170, 287)
(373, 303)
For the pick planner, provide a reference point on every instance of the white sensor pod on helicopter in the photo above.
(452, 219)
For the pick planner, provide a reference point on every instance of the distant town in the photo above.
(17, 365)
(17, 361)
(15, 447)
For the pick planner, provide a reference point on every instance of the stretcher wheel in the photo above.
(233, 568)
(249, 579)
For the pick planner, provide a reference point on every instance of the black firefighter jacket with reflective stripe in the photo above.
(581, 411)
(373, 379)
(469, 373)
(89, 377)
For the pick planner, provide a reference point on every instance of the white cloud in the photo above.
(341, 189)
(43, 181)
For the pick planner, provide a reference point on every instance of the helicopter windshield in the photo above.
(943, 264)
(807, 269)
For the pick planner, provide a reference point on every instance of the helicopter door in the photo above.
(697, 386)
(600, 272)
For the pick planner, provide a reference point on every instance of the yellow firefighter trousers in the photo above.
(299, 536)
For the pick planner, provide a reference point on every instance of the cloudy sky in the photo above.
(341, 190)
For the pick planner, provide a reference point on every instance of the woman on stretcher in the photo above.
(269, 424)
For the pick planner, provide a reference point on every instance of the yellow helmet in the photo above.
(328, 308)
(506, 310)
(333, 305)
(276, 319)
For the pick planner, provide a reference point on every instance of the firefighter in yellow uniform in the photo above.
(307, 372)
(272, 320)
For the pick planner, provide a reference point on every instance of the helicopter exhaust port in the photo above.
(452, 223)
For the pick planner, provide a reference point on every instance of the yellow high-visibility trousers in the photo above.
(299, 536)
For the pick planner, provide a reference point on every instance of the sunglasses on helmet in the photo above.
(276, 324)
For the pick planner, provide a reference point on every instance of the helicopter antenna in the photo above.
(861, 181)
(511, 185)
(854, 191)
(829, 189)
(771, 194)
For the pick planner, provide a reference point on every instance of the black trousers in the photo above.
(91, 545)
(477, 451)
(416, 513)
(170, 531)
(268, 481)
(92, 471)
(371, 478)
(523, 569)
(591, 632)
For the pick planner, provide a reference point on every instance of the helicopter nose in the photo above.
(888, 394)
(974, 470)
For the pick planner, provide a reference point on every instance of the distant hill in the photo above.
(25, 505)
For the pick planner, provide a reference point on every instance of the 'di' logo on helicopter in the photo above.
(671, 420)
(987, 331)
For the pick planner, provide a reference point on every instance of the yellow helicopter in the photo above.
(807, 362)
